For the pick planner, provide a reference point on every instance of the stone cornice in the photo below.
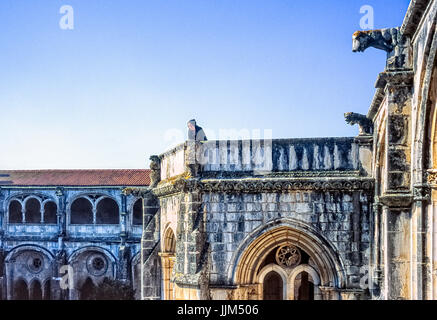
(413, 17)
(395, 78)
(173, 150)
(254, 185)
(280, 174)
(396, 200)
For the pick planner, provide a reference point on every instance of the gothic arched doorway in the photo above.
(21, 291)
(301, 259)
(35, 290)
(167, 261)
(47, 292)
(303, 287)
(273, 286)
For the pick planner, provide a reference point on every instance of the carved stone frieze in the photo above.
(263, 185)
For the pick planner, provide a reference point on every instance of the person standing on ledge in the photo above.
(195, 132)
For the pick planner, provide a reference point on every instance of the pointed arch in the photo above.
(35, 290)
(21, 290)
(32, 210)
(280, 272)
(252, 251)
(15, 214)
(108, 211)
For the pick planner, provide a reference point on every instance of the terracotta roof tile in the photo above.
(110, 177)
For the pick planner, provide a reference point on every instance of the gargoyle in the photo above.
(364, 123)
(390, 40)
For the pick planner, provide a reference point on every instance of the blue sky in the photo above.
(110, 92)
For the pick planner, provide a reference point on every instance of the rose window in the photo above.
(288, 256)
(35, 264)
(97, 264)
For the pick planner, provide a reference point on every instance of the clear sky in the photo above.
(110, 92)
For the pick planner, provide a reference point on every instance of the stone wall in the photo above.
(342, 218)
(231, 192)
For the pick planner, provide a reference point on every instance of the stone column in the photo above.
(167, 263)
(397, 253)
(375, 271)
(432, 238)
(124, 255)
(123, 219)
(124, 250)
(150, 241)
(61, 214)
(422, 247)
(396, 193)
(57, 293)
(9, 279)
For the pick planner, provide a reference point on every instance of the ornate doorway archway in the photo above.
(167, 261)
(302, 261)
(273, 286)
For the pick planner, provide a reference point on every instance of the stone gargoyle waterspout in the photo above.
(364, 123)
(390, 40)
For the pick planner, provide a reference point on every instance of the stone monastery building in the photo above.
(303, 219)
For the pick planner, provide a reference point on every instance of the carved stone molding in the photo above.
(263, 185)
(137, 192)
(431, 177)
(377, 100)
(414, 14)
(291, 174)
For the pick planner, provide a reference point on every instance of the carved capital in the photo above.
(431, 177)
(421, 193)
(59, 191)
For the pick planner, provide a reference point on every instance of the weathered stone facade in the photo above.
(403, 112)
(227, 206)
(325, 218)
(343, 218)
(46, 241)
